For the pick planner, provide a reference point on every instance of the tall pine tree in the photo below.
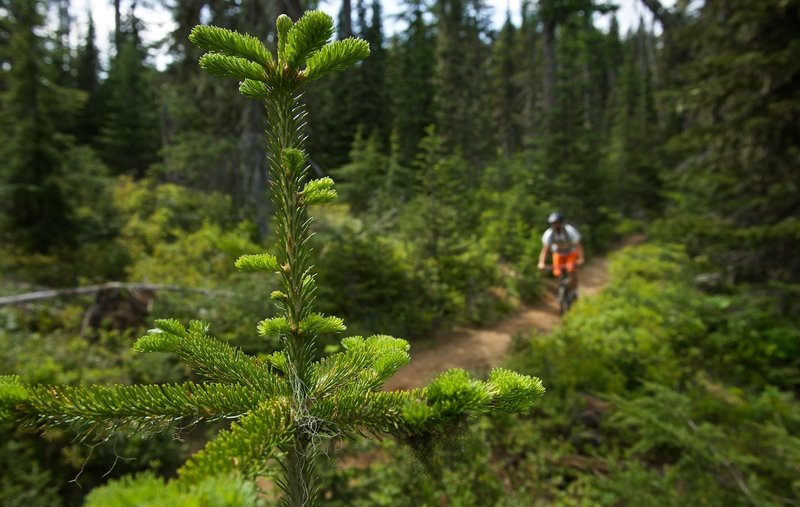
(739, 177)
(87, 79)
(635, 133)
(412, 60)
(506, 93)
(130, 135)
(462, 55)
(37, 215)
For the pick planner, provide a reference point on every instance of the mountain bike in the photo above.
(565, 295)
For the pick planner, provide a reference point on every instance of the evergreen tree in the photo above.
(284, 404)
(506, 94)
(439, 207)
(738, 178)
(634, 159)
(412, 59)
(355, 99)
(529, 76)
(345, 24)
(575, 182)
(62, 52)
(553, 14)
(460, 78)
(372, 100)
(365, 173)
(613, 57)
(37, 214)
(399, 182)
(333, 106)
(130, 133)
(87, 79)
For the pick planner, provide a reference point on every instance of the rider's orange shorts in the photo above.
(567, 260)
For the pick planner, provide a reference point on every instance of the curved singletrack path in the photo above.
(479, 350)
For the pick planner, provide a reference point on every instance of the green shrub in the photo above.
(458, 474)
(660, 395)
(368, 280)
(146, 490)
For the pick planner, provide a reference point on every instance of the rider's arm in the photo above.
(579, 251)
(543, 255)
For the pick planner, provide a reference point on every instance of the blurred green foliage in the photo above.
(146, 490)
(168, 235)
(656, 396)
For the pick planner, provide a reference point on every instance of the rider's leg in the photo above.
(571, 264)
(573, 280)
(558, 264)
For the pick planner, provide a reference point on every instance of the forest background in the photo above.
(450, 145)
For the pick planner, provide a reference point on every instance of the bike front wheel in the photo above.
(564, 299)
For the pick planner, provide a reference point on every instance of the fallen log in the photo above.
(31, 297)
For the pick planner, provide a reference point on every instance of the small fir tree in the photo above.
(284, 404)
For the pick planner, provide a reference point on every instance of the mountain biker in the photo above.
(564, 241)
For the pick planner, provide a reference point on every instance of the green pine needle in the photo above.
(258, 262)
(279, 360)
(171, 326)
(156, 340)
(319, 191)
(232, 66)
(312, 31)
(514, 392)
(207, 356)
(253, 89)
(375, 412)
(274, 327)
(231, 43)
(283, 24)
(455, 392)
(338, 55)
(316, 324)
(294, 160)
(142, 409)
(363, 366)
(417, 416)
(11, 390)
(246, 447)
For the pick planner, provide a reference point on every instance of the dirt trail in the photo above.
(478, 350)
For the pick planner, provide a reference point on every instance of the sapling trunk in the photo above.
(285, 115)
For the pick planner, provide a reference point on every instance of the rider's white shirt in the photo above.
(563, 241)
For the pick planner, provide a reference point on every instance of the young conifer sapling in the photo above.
(284, 406)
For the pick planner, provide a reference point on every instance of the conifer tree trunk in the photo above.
(293, 8)
(549, 65)
(346, 20)
(117, 25)
(252, 159)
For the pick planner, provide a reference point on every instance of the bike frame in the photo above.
(564, 293)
